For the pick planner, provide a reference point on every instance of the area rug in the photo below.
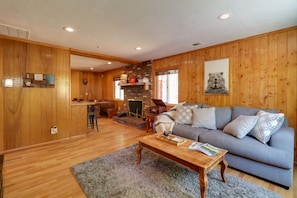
(118, 175)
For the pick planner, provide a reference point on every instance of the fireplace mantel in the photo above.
(132, 84)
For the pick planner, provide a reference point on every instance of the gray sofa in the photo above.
(272, 161)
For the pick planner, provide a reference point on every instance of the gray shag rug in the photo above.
(117, 175)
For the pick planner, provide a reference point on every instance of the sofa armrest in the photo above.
(283, 139)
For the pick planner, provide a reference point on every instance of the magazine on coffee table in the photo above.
(205, 148)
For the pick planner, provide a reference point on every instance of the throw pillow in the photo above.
(184, 114)
(268, 123)
(241, 126)
(205, 118)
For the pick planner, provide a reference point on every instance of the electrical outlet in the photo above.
(54, 130)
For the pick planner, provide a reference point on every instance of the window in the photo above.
(167, 86)
(118, 92)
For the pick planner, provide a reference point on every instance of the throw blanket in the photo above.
(164, 122)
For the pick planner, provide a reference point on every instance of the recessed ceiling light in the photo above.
(68, 29)
(92, 68)
(109, 63)
(224, 16)
(138, 48)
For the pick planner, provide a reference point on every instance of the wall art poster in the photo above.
(216, 76)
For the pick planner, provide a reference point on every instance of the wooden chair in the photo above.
(93, 114)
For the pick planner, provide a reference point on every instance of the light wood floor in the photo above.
(43, 171)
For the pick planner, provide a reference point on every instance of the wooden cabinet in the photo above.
(78, 120)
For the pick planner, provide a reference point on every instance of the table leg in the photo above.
(147, 124)
(224, 165)
(203, 182)
(138, 150)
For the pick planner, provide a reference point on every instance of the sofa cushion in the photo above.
(187, 131)
(241, 126)
(238, 110)
(223, 116)
(250, 148)
(267, 124)
(204, 117)
(184, 114)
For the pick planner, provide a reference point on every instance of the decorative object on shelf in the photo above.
(50, 79)
(124, 78)
(38, 80)
(133, 80)
(85, 81)
(38, 77)
(27, 83)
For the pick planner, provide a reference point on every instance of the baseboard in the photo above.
(41, 144)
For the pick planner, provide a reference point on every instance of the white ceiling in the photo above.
(161, 27)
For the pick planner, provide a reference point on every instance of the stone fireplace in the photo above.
(137, 92)
(137, 99)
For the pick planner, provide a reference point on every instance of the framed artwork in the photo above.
(216, 76)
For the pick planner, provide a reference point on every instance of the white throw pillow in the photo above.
(268, 123)
(184, 114)
(241, 126)
(204, 117)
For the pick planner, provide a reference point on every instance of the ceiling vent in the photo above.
(12, 31)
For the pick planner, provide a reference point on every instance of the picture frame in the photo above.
(216, 76)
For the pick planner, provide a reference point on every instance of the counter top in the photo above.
(82, 103)
(73, 103)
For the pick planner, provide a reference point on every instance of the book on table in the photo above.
(205, 148)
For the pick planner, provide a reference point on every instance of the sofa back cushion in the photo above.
(223, 116)
(248, 111)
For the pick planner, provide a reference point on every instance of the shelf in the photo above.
(132, 84)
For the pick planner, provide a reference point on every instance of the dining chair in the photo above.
(93, 115)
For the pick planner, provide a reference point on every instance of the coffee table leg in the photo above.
(138, 150)
(203, 183)
(224, 165)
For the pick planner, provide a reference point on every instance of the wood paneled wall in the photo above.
(262, 73)
(108, 89)
(93, 88)
(27, 114)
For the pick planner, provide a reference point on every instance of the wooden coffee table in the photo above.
(193, 160)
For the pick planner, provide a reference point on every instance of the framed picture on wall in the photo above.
(216, 76)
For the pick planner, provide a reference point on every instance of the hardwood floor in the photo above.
(44, 171)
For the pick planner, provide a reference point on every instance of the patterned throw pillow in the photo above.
(268, 123)
(184, 114)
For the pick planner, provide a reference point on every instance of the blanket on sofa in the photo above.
(164, 121)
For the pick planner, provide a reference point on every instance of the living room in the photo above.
(262, 73)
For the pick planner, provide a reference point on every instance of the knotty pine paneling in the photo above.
(29, 113)
(107, 81)
(262, 73)
(93, 88)
(1, 99)
(108, 86)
